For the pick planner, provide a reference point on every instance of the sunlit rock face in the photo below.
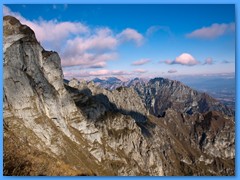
(78, 128)
(159, 94)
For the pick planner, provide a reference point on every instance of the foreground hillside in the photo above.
(77, 128)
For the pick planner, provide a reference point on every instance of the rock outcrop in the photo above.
(88, 130)
(159, 94)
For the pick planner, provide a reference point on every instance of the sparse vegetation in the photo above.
(23, 160)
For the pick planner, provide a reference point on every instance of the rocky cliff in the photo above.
(159, 94)
(76, 128)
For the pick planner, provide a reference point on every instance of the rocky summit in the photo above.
(159, 94)
(71, 128)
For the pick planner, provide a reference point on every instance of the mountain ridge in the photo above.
(89, 130)
(158, 87)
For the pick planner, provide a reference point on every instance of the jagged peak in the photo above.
(158, 79)
(13, 26)
(74, 79)
(112, 79)
(12, 20)
(74, 82)
(95, 80)
(13, 31)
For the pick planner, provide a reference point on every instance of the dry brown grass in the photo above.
(23, 160)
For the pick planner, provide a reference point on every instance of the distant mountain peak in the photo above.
(160, 93)
(96, 80)
(113, 79)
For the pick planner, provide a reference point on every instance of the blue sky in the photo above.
(134, 40)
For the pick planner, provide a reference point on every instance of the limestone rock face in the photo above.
(88, 130)
(191, 141)
(159, 94)
(34, 94)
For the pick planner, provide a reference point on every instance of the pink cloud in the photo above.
(102, 72)
(99, 73)
(131, 35)
(141, 62)
(97, 42)
(183, 59)
(63, 29)
(77, 44)
(213, 31)
(88, 60)
(105, 72)
(100, 41)
(98, 65)
(153, 29)
(186, 59)
(140, 71)
(92, 49)
(52, 32)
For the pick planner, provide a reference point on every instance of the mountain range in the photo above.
(156, 127)
(159, 94)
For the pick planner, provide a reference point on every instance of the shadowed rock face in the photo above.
(88, 130)
(159, 94)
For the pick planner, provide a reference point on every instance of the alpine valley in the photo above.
(55, 127)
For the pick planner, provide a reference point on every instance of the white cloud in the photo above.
(76, 43)
(88, 60)
(153, 29)
(213, 31)
(90, 51)
(139, 71)
(7, 11)
(102, 72)
(46, 30)
(69, 73)
(102, 40)
(50, 32)
(108, 72)
(186, 59)
(183, 59)
(131, 35)
(94, 48)
(97, 65)
(141, 62)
